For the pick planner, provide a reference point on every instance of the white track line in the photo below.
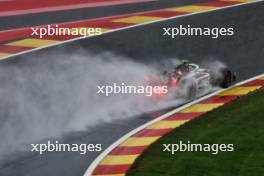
(129, 27)
(122, 139)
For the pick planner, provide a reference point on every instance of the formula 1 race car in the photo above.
(189, 79)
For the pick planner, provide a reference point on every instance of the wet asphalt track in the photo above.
(243, 52)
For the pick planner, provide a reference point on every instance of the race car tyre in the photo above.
(225, 79)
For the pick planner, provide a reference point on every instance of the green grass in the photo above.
(240, 123)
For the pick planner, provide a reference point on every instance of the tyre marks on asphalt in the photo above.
(19, 40)
(120, 159)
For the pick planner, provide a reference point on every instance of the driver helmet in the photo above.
(184, 61)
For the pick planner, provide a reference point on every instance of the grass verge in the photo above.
(240, 123)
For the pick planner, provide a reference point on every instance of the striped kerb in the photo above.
(191, 8)
(121, 158)
(239, 91)
(138, 19)
(31, 42)
(2, 55)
